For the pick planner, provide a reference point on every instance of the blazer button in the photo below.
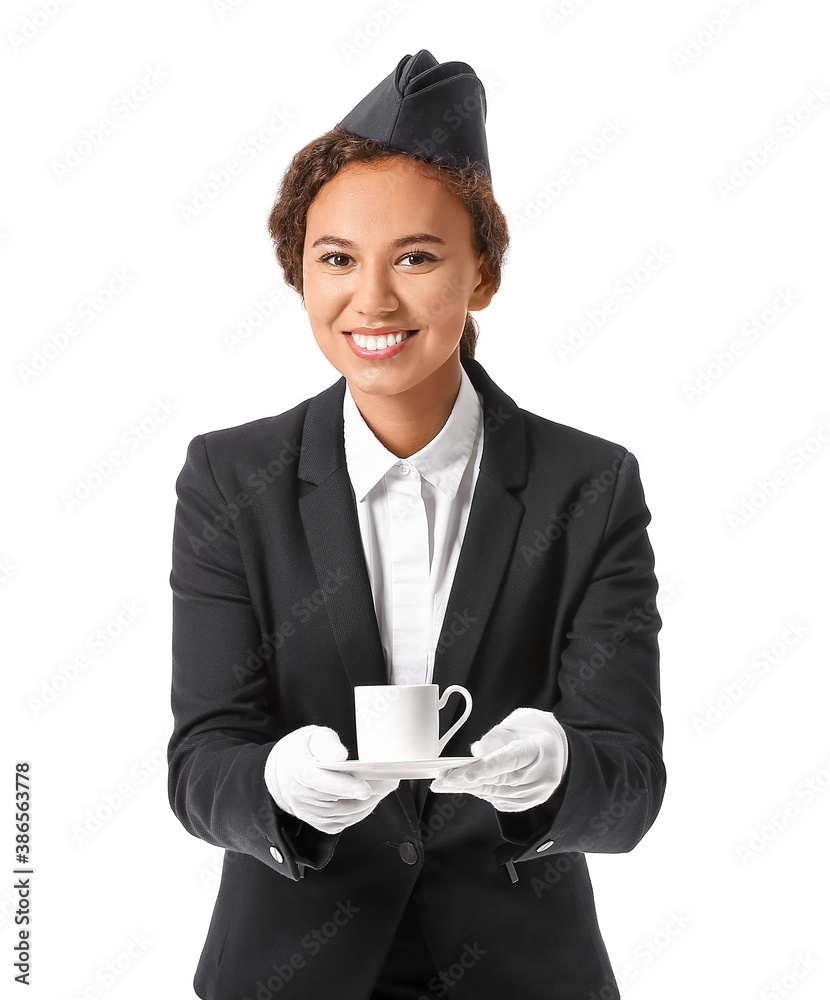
(276, 855)
(545, 846)
(408, 852)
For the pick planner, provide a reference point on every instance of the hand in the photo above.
(524, 759)
(327, 800)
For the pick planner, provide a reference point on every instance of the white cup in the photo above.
(400, 721)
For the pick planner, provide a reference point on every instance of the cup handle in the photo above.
(442, 742)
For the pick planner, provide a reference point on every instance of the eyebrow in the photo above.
(404, 241)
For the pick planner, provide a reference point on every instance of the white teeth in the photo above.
(379, 343)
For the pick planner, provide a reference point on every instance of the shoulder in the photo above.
(575, 471)
(565, 445)
(256, 439)
(550, 446)
(251, 452)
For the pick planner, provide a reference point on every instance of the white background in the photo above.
(695, 910)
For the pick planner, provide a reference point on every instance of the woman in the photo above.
(409, 524)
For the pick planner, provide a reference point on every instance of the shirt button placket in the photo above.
(409, 547)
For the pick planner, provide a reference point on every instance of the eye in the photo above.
(417, 253)
(330, 256)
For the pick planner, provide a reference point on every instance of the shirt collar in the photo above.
(441, 461)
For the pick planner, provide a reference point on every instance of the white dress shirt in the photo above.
(412, 514)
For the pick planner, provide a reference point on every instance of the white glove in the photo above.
(524, 760)
(327, 800)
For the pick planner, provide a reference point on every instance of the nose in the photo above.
(374, 290)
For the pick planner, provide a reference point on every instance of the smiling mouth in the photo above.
(382, 342)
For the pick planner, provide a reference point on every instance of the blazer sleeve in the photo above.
(222, 728)
(608, 699)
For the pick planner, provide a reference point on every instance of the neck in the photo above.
(406, 422)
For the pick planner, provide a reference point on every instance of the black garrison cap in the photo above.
(435, 111)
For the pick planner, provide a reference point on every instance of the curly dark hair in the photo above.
(319, 160)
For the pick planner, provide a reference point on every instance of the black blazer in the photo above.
(552, 607)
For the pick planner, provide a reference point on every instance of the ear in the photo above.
(484, 290)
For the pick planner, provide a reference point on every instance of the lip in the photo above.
(377, 331)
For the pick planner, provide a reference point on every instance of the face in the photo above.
(390, 251)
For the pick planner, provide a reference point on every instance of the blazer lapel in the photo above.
(332, 531)
(329, 517)
(487, 547)
(488, 541)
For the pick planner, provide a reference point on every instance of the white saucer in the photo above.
(396, 768)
